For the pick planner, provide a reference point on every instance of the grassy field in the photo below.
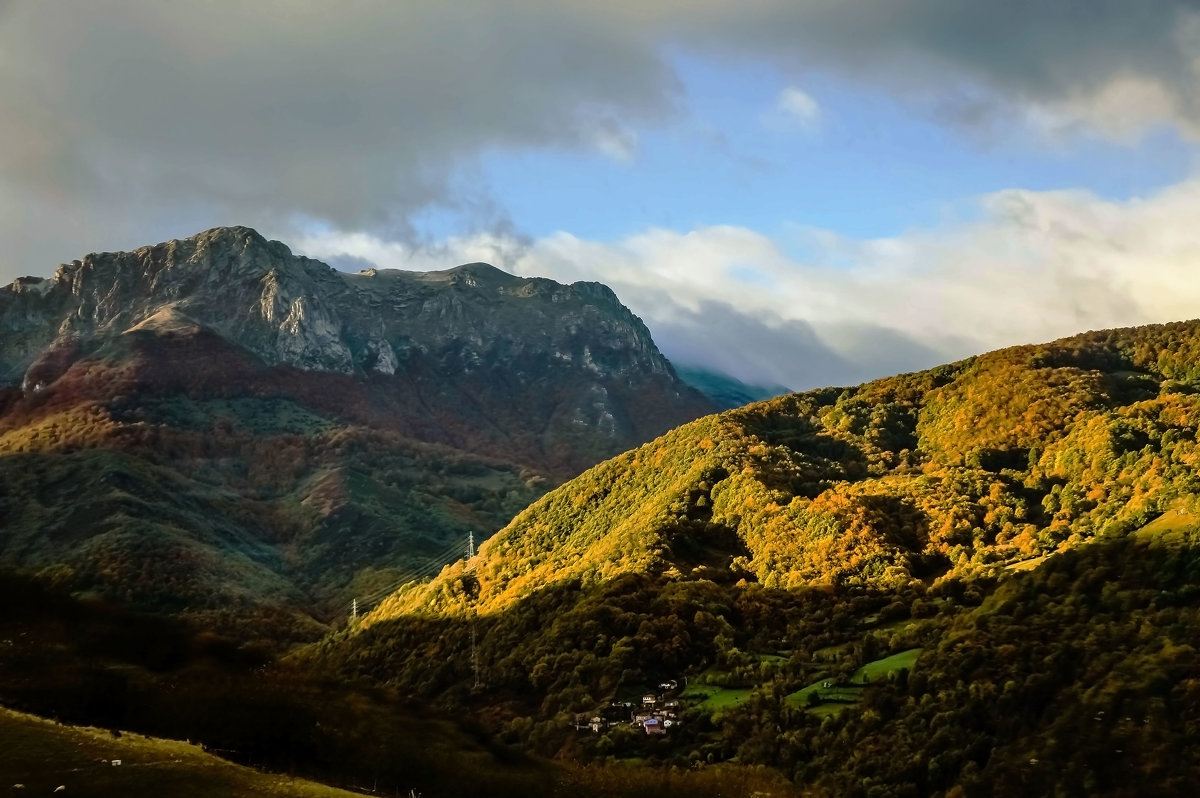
(1027, 565)
(713, 698)
(880, 668)
(44, 755)
(836, 697)
(829, 709)
(709, 692)
(1168, 526)
(900, 624)
(829, 653)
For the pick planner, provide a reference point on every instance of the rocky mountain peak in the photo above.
(504, 334)
(480, 275)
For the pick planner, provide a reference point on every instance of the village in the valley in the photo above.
(656, 712)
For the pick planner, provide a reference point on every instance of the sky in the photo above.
(793, 192)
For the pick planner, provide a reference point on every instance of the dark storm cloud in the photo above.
(1117, 67)
(1047, 49)
(356, 113)
(123, 122)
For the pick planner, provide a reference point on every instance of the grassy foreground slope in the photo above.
(43, 755)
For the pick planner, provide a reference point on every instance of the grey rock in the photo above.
(527, 358)
(295, 311)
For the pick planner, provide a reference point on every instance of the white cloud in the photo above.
(1036, 266)
(1122, 111)
(365, 249)
(135, 122)
(799, 105)
(614, 141)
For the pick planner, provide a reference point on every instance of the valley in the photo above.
(977, 579)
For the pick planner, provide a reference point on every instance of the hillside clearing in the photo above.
(835, 696)
(1167, 527)
(713, 698)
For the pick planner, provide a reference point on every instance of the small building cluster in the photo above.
(655, 713)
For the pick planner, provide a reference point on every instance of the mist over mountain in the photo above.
(728, 392)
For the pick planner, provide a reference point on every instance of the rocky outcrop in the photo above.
(297, 311)
(526, 358)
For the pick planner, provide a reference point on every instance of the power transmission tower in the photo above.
(474, 612)
(353, 609)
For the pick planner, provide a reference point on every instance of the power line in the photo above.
(474, 610)
(410, 576)
(432, 565)
(428, 568)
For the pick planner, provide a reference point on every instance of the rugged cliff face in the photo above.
(560, 376)
(217, 426)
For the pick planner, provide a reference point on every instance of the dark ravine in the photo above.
(214, 424)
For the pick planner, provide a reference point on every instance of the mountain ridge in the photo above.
(888, 481)
(1019, 529)
(203, 272)
(416, 326)
(417, 405)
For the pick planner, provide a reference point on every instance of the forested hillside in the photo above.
(217, 428)
(989, 520)
(995, 459)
